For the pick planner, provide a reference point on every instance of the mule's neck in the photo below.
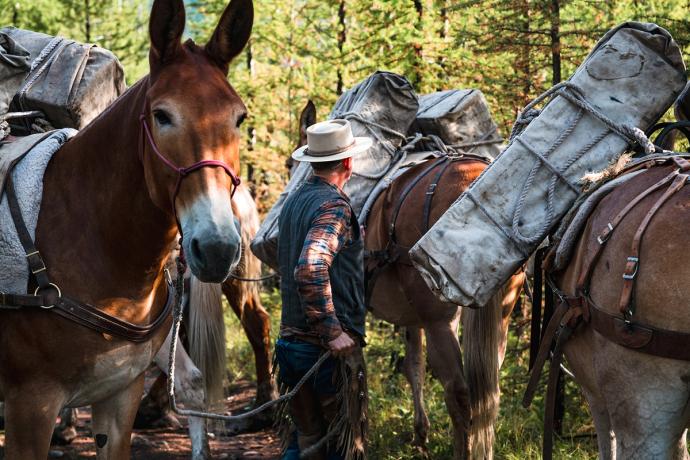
(102, 236)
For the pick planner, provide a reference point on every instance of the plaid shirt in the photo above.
(329, 232)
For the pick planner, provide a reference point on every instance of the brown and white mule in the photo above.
(106, 227)
(400, 296)
(635, 375)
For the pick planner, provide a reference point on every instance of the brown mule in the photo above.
(638, 399)
(400, 296)
(106, 227)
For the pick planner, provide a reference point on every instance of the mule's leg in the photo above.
(189, 390)
(113, 419)
(414, 369)
(445, 359)
(257, 325)
(648, 399)
(602, 424)
(29, 424)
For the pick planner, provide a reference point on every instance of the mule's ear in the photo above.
(165, 27)
(307, 117)
(232, 32)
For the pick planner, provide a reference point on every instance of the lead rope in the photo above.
(177, 319)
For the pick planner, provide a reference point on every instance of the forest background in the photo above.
(511, 50)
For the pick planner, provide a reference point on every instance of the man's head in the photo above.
(336, 171)
(330, 150)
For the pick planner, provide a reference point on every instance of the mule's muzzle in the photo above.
(211, 259)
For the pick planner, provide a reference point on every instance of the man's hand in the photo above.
(342, 345)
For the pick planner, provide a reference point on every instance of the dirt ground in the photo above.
(174, 444)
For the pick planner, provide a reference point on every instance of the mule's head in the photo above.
(192, 117)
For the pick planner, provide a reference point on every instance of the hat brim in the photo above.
(362, 144)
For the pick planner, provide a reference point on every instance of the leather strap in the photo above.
(89, 316)
(583, 280)
(430, 192)
(99, 321)
(641, 337)
(33, 257)
(625, 305)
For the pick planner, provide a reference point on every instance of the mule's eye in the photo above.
(241, 119)
(162, 118)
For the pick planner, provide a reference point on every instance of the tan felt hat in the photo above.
(329, 141)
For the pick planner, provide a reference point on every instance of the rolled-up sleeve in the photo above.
(329, 231)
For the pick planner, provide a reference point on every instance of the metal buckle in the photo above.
(43, 268)
(608, 235)
(432, 189)
(54, 286)
(632, 276)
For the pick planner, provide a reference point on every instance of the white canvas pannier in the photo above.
(629, 80)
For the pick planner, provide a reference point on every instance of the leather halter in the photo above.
(182, 172)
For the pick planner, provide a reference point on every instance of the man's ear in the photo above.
(347, 163)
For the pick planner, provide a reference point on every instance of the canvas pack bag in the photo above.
(461, 119)
(68, 82)
(625, 85)
(381, 107)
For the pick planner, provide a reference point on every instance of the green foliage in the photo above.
(308, 49)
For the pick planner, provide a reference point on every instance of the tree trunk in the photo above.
(556, 41)
(522, 56)
(87, 21)
(418, 49)
(342, 36)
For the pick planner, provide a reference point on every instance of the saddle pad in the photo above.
(571, 228)
(27, 176)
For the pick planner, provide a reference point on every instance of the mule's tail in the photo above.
(206, 334)
(481, 338)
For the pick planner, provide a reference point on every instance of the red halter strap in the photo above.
(183, 172)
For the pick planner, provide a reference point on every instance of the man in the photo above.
(320, 253)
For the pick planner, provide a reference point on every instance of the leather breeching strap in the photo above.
(48, 296)
(580, 309)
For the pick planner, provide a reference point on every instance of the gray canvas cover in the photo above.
(461, 119)
(383, 102)
(632, 76)
(71, 83)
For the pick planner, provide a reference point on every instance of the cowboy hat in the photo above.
(329, 141)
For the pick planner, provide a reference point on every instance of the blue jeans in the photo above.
(313, 406)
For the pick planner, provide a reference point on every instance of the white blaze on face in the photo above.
(211, 241)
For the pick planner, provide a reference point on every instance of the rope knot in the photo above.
(640, 138)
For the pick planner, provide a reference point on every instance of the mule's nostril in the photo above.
(197, 253)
